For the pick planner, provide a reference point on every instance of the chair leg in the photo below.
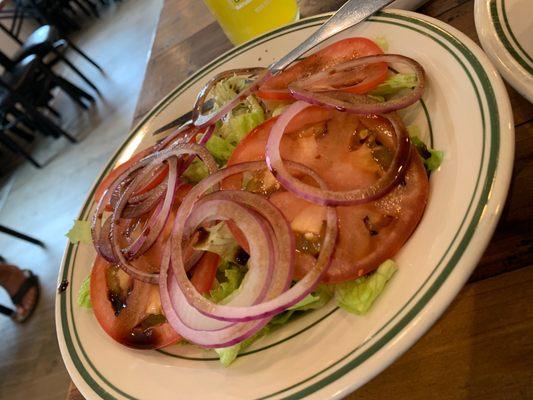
(8, 32)
(64, 84)
(27, 122)
(15, 148)
(74, 92)
(53, 111)
(81, 53)
(83, 8)
(18, 235)
(45, 123)
(6, 310)
(78, 72)
(93, 7)
(22, 133)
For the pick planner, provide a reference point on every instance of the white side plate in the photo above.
(505, 29)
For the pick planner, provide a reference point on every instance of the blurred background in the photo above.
(61, 120)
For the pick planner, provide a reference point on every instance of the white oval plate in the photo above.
(329, 353)
(505, 29)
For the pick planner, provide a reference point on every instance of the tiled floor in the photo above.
(43, 203)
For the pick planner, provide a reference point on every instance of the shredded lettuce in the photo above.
(394, 84)
(242, 120)
(226, 90)
(379, 99)
(84, 294)
(233, 275)
(280, 109)
(432, 158)
(80, 232)
(219, 239)
(313, 301)
(358, 296)
(382, 42)
(196, 172)
(231, 129)
(237, 127)
(228, 354)
(220, 148)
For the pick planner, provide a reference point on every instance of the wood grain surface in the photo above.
(482, 347)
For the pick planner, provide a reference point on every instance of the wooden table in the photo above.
(482, 347)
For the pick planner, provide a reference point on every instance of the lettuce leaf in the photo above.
(219, 240)
(80, 232)
(382, 42)
(196, 172)
(228, 354)
(358, 296)
(234, 275)
(234, 127)
(315, 300)
(84, 294)
(242, 120)
(432, 158)
(394, 84)
(226, 90)
(220, 148)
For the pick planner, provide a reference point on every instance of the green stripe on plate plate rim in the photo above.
(508, 41)
(430, 30)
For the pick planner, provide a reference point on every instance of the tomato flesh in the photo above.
(123, 315)
(141, 302)
(339, 52)
(369, 233)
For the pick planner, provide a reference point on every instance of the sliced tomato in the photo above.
(141, 300)
(343, 50)
(204, 273)
(129, 319)
(368, 233)
(124, 323)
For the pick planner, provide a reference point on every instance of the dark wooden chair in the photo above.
(25, 91)
(46, 44)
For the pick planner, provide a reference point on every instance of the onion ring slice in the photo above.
(329, 197)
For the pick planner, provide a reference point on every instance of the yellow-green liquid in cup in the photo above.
(243, 20)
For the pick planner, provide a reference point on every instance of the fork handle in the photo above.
(351, 13)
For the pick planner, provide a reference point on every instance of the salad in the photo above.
(282, 194)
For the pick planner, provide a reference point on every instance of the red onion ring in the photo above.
(139, 205)
(262, 259)
(283, 256)
(354, 103)
(201, 120)
(172, 155)
(330, 197)
(171, 294)
(253, 312)
(183, 134)
(101, 241)
(150, 199)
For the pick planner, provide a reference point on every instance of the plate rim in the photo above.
(497, 44)
(213, 64)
